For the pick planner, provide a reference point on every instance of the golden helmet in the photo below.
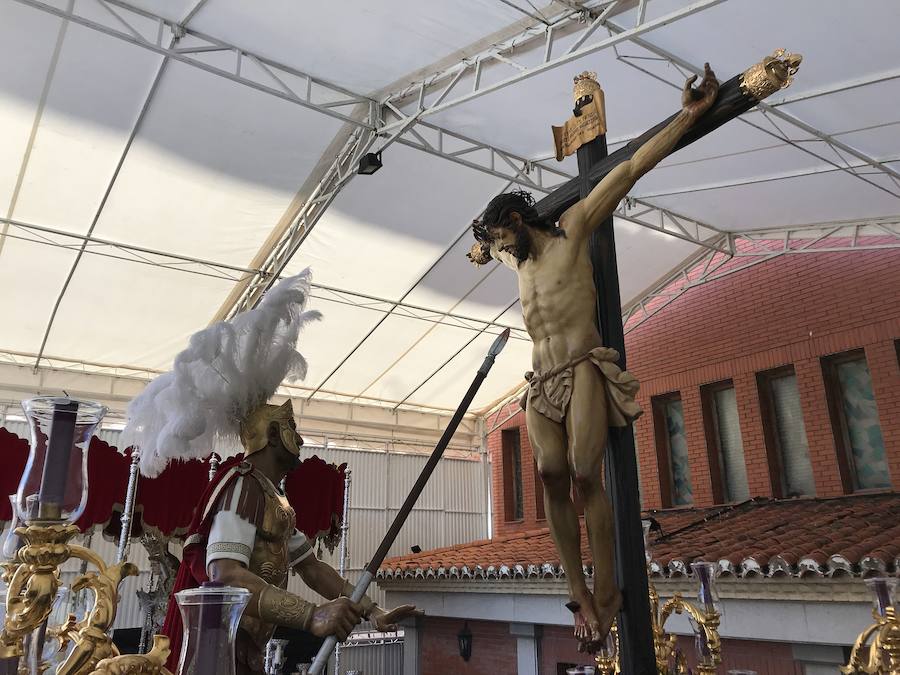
(255, 428)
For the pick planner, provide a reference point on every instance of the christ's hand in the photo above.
(697, 101)
(387, 621)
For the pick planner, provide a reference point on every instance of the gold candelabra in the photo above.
(34, 581)
(877, 649)
(51, 496)
(705, 616)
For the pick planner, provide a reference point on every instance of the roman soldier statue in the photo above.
(243, 532)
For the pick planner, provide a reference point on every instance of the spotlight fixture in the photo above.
(370, 163)
(464, 637)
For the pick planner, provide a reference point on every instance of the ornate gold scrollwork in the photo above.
(33, 582)
(151, 663)
(33, 585)
(882, 655)
(668, 658)
(708, 622)
(771, 74)
(92, 643)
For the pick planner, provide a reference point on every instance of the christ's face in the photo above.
(513, 238)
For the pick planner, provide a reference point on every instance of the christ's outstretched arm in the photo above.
(586, 215)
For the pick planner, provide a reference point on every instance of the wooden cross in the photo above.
(736, 96)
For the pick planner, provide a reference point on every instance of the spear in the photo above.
(368, 574)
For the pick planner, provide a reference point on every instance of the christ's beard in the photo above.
(523, 245)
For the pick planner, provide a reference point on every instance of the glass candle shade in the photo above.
(211, 615)
(54, 484)
(707, 594)
(883, 589)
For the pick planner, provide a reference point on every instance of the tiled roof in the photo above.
(856, 535)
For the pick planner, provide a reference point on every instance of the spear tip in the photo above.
(499, 343)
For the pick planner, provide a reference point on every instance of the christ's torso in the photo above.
(559, 302)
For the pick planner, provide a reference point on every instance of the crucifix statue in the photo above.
(562, 252)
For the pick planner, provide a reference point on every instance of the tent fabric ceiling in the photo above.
(199, 170)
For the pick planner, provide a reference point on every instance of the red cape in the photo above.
(192, 571)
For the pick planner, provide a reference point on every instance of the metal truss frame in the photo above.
(754, 247)
(539, 176)
(543, 177)
(410, 131)
(435, 93)
(585, 21)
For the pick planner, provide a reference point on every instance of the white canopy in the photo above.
(162, 159)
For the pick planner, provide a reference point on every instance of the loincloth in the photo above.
(550, 392)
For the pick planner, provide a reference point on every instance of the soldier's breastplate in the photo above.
(269, 559)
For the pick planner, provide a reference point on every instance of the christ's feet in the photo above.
(587, 623)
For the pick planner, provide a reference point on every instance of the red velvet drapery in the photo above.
(13, 456)
(315, 490)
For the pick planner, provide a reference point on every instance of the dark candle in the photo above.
(56, 460)
(882, 596)
(210, 635)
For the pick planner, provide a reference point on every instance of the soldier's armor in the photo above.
(270, 562)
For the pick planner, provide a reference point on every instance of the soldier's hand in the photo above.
(337, 618)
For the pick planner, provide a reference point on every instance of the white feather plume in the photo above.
(227, 370)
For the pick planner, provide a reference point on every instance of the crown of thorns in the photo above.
(496, 209)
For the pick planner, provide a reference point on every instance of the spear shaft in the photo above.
(368, 574)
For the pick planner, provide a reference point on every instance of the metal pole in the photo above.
(486, 478)
(128, 513)
(342, 554)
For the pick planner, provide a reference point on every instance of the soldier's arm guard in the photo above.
(282, 608)
(366, 603)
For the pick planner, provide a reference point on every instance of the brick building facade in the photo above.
(793, 316)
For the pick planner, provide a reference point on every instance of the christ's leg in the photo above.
(587, 429)
(548, 440)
